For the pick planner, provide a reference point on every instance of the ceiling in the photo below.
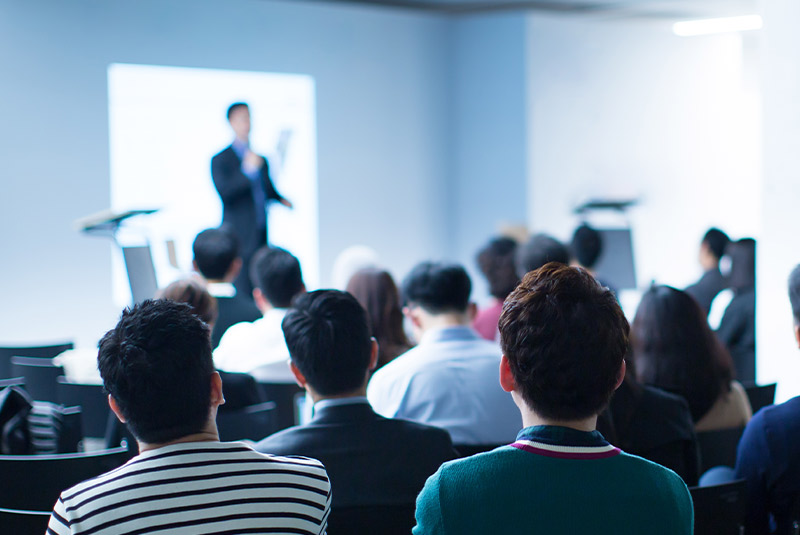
(632, 8)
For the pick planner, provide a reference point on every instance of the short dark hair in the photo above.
(794, 292)
(214, 251)
(587, 245)
(717, 241)
(438, 288)
(743, 264)
(276, 272)
(538, 251)
(328, 339)
(194, 293)
(496, 262)
(565, 338)
(156, 364)
(232, 108)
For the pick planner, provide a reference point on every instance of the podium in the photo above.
(138, 259)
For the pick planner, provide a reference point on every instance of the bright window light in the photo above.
(723, 25)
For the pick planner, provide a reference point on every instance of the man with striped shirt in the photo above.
(156, 365)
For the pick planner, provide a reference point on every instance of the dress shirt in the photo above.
(450, 380)
(221, 289)
(338, 402)
(257, 348)
(259, 197)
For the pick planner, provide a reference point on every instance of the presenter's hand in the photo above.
(287, 203)
(253, 161)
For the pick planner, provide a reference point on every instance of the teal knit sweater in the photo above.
(554, 480)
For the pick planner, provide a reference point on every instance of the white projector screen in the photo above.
(165, 124)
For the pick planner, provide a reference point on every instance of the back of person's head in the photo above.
(586, 245)
(794, 293)
(438, 288)
(742, 253)
(377, 293)
(194, 293)
(497, 263)
(235, 106)
(716, 241)
(276, 272)
(214, 251)
(565, 338)
(328, 339)
(538, 251)
(156, 364)
(674, 349)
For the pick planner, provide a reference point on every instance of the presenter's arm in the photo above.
(228, 178)
(269, 188)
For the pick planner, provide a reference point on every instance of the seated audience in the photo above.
(564, 339)
(737, 330)
(712, 247)
(157, 368)
(370, 459)
(769, 453)
(259, 348)
(450, 379)
(586, 248)
(376, 291)
(538, 251)
(674, 349)
(496, 262)
(217, 260)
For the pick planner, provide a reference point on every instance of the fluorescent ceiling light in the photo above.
(723, 25)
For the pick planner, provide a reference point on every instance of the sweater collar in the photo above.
(564, 443)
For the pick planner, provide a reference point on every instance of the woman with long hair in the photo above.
(674, 349)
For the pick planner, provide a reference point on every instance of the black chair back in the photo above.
(46, 351)
(41, 376)
(718, 448)
(252, 423)
(760, 396)
(14, 381)
(283, 395)
(21, 522)
(371, 519)
(720, 509)
(93, 402)
(34, 482)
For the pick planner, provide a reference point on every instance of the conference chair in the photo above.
(14, 381)
(283, 394)
(21, 522)
(40, 376)
(760, 396)
(383, 519)
(252, 423)
(93, 402)
(720, 509)
(718, 448)
(45, 351)
(34, 482)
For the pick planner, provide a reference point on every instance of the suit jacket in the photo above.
(371, 460)
(737, 331)
(238, 206)
(232, 310)
(706, 289)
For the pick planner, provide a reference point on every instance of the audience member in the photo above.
(217, 260)
(376, 291)
(538, 251)
(450, 379)
(769, 453)
(370, 459)
(564, 339)
(586, 248)
(258, 348)
(737, 330)
(674, 349)
(157, 368)
(712, 282)
(496, 262)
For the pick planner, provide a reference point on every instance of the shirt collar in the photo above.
(564, 443)
(337, 402)
(240, 147)
(221, 289)
(449, 334)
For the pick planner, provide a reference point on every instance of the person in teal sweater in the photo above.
(564, 339)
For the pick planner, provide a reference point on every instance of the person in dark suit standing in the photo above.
(712, 282)
(244, 185)
(371, 460)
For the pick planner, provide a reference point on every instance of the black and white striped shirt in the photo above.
(199, 488)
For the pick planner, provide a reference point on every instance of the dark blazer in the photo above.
(737, 330)
(238, 207)
(371, 460)
(232, 310)
(706, 289)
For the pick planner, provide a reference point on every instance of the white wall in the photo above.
(381, 124)
(624, 108)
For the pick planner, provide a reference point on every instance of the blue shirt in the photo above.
(769, 459)
(259, 196)
(450, 380)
